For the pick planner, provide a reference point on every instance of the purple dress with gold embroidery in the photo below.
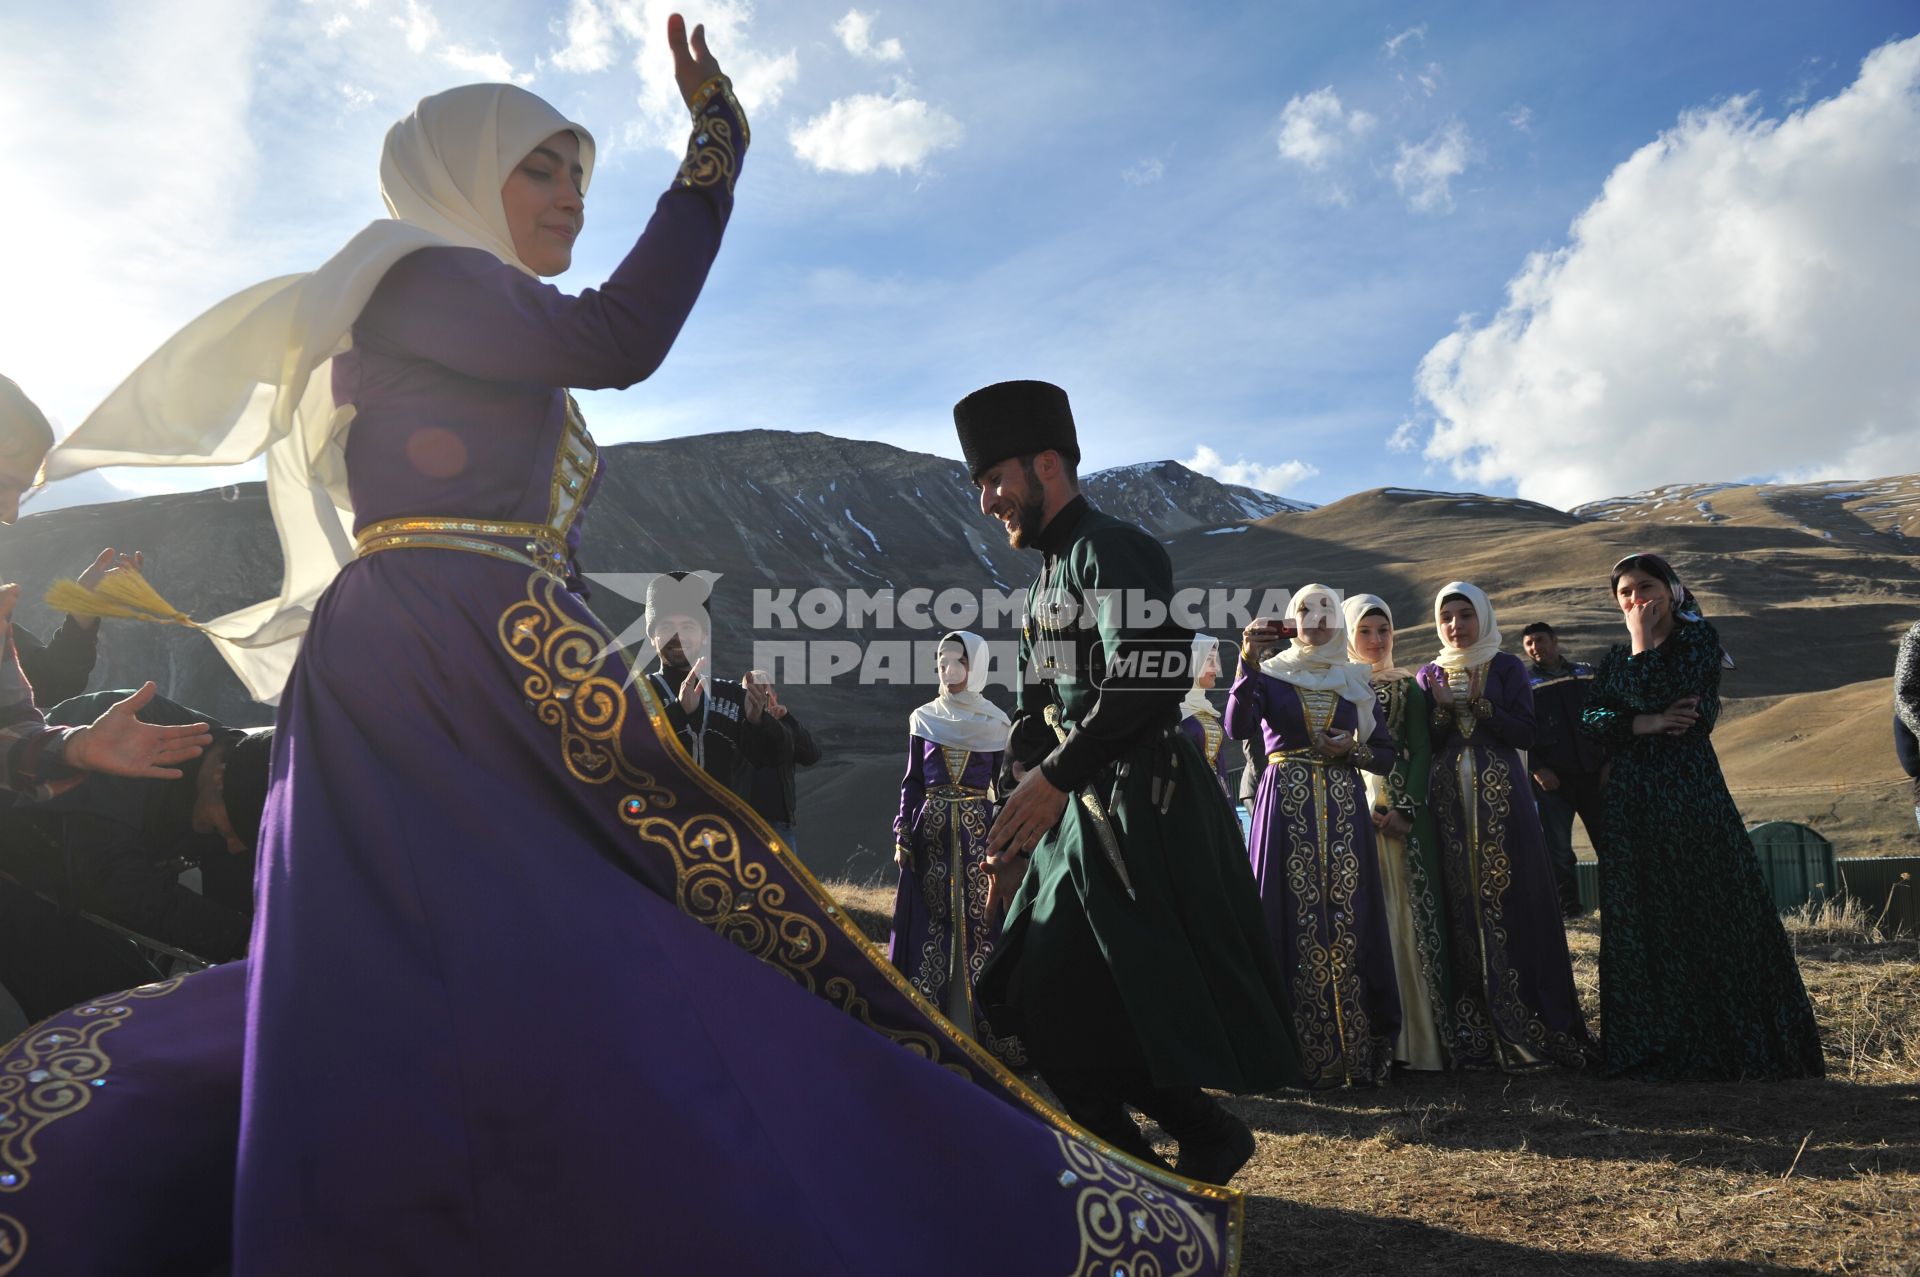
(1313, 856)
(530, 992)
(1514, 1002)
(941, 935)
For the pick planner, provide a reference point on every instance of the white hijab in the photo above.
(1204, 645)
(1326, 668)
(964, 719)
(1485, 648)
(254, 373)
(1355, 609)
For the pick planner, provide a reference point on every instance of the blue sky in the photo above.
(1276, 241)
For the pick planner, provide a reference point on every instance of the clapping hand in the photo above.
(119, 744)
(756, 697)
(693, 65)
(694, 686)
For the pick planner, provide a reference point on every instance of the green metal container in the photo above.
(1586, 876)
(1796, 861)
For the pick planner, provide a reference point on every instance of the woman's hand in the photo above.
(900, 854)
(1335, 743)
(120, 744)
(1259, 639)
(692, 66)
(1675, 720)
(1442, 693)
(1643, 619)
(1397, 823)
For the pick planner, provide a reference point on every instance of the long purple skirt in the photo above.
(531, 994)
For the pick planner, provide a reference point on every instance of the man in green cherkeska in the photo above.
(1135, 967)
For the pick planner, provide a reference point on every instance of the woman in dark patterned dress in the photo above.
(942, 930)
(1405, 838)
(1198, 718)
(1514, 1005)
(1697, 978)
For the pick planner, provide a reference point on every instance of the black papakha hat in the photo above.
(1014, 419)
(244, 788)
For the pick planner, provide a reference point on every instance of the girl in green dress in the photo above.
(1697, 978)
(1404, 839)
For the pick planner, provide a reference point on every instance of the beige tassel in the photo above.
(123, 595)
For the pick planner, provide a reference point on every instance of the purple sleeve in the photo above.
(1385, 752)
(1246, 705)
(466, 310)
(913, 789)
(1511, 694)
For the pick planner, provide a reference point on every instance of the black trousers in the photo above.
(1098, 1099)
(1579, 795)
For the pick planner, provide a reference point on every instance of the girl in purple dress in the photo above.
(1514, 1005)
(942, 927)
(528, 990)
(1312, 711)
(1198, 718)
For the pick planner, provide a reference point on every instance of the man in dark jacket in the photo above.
(1566, 762)
(1135, 964)
(774, 795)
(723, 724)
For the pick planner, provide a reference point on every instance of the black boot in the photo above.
(1213, 1142)
(1093, 1101)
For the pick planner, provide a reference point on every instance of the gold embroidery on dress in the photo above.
(13, 1244)
(1129, 1226)
(563, 658)
(711, 155)
(52, 1072)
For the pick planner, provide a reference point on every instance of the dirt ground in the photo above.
(1560, 1173)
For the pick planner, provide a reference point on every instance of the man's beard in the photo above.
(1031, 513)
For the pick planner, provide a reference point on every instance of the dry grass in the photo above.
(1558, 1173)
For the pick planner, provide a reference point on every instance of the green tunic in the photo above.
(1178, 980)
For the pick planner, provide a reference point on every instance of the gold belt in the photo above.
(1312, 757)
(956, 793)
(534, 545)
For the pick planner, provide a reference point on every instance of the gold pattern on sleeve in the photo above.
(51, 1072)
(713, 157)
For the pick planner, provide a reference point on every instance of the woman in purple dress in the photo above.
(942, 927)
(1312, 711)
(1514, 1005)
(528, 991)
(1198, 718)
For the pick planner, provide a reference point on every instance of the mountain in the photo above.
(1846, 509)
(1811, 618)
(1165, 497)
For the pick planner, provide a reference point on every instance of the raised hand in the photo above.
(120, 744)
(756, 698)
(692, 66)
(104, 565)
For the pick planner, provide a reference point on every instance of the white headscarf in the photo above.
(1325, 668)
(964, 719)
(1485, 648)
(1204, 645)
(1355, 609)
(254, 373)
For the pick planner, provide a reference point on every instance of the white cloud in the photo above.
(759, 78)
(1145, 173)
(1424, 173)
(1249, 474)
(418, 25)
(589, 45)
(1405, 437)
(1739, 302)
(856, 33)
(1429, 79)
(335, 25)
(357, 97)
(490, 66)
(866, 132)
(1315, 128)
(1520, 117)
(1417, 34)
